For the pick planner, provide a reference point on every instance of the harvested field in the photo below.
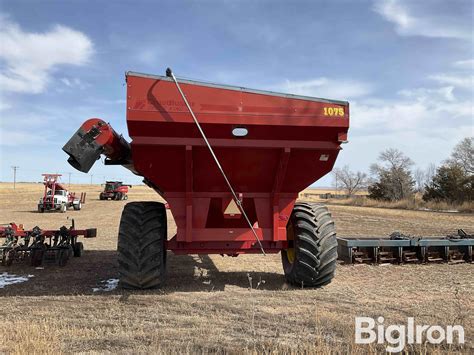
(208, 305)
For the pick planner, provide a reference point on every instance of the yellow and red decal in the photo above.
(333, 111)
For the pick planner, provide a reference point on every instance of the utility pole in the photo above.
(69, 179)
(15, 168)
(91, 178)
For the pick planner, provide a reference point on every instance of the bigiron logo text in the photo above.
(397, 336)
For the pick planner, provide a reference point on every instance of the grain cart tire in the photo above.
(40, 209)
(78, 249)
(141, 245)
(311, 259)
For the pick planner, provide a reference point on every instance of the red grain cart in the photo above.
(230, 162)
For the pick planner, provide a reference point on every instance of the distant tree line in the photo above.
(454, 179)
(392, 177)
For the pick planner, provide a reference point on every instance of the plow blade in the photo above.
(372, 250)
(401, 249)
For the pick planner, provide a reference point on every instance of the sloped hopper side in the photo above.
(291, 142)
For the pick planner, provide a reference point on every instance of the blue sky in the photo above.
(406, 67)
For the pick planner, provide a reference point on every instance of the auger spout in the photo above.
(93, 138)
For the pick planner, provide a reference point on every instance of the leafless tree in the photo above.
(350, 181)
(430, 172)
(463, 155)
(419, 176)
(392, 159)
(424, 177)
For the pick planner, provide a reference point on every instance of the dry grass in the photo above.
(315, 192)
(415, 203)
(207, 304)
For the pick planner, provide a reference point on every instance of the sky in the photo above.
(406, 67)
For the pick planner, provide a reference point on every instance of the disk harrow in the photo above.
(402, 249)
(37, 245)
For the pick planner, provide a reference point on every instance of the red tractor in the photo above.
(230, 162)
(114, 190)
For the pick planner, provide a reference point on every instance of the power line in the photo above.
(15, 168)
(34, 175)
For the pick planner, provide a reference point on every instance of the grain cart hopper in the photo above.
(230, 162)
(114, 190)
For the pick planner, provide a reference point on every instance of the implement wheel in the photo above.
(310, 260)
(62, 256)
(7, 257)
(37, 255)
(78, 249)
(141, 245)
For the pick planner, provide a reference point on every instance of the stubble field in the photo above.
(221, 304)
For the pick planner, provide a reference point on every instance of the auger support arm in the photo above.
(93, 138)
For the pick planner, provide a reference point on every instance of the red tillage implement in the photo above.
(230, 175)
(39, 245)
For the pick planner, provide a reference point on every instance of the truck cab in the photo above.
(56, 196)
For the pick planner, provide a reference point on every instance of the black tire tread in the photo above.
(315, 246)
(78, 249)
(141, 245)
